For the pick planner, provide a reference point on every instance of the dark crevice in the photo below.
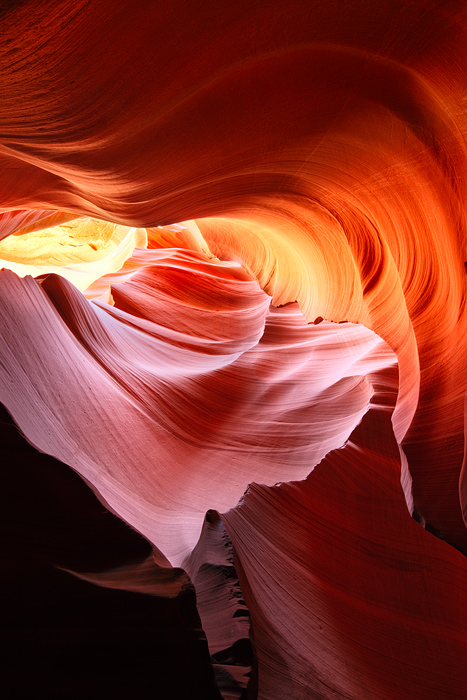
(68, 638)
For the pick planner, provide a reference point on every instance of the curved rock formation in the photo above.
(316, 157)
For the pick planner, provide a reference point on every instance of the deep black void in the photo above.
(67, 638)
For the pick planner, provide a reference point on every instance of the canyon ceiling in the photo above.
(234, 341)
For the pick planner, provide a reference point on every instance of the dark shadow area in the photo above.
(66, 638)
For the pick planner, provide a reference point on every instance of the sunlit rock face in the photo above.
(82, 250)
(272, 391)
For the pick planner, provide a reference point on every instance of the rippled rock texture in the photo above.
(264, 403)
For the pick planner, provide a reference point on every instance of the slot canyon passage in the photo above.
(233, 349)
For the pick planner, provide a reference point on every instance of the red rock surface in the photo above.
(321, 150)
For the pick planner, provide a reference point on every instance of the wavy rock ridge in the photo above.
(316, 155)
